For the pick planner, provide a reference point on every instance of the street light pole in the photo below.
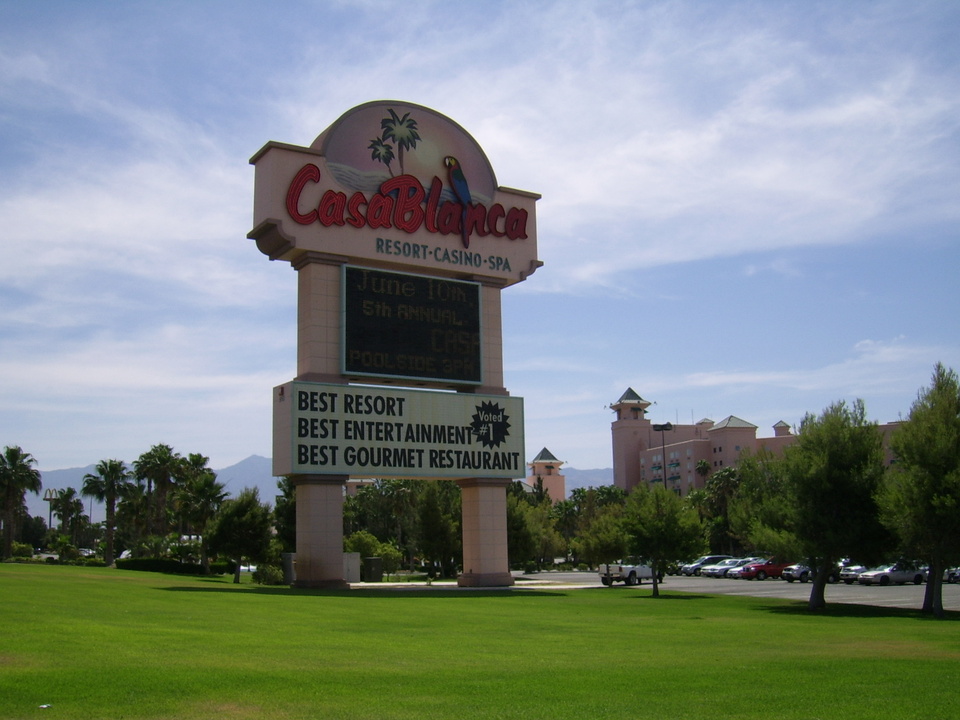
(663, 448)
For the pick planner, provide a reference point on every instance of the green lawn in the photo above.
(101, 643)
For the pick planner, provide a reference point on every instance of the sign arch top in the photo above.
(419, 140)
(394, 184)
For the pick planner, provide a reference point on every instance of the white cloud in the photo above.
(659, 134)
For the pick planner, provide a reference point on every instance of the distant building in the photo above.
(546, 468)
(673, 454)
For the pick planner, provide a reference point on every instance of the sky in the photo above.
(748, 208)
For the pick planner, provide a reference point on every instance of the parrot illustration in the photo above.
(460, 188)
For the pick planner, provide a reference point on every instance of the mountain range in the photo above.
(254, 471)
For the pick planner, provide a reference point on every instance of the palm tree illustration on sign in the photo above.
(382, 152)
(401, 130)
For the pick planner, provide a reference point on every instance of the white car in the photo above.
(898, 573)
(725, 566)
(695, 567)
(851, 573)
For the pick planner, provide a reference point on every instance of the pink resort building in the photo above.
(546, 468)
(644, 452)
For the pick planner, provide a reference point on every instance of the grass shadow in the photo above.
(419, 591)
(669, 597)
(799, 608)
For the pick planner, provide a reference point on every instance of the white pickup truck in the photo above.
(625, 573)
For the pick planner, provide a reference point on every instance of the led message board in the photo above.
(410, 326)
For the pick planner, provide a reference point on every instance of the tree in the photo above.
(602, 538)
(388, 510)
(133, 510)
(662, 528)
(759, 513)
(831, 478)
(702, 468)
(521, 545)
(107, 485)
(198, 496)
(242, 529)
(68, 507)
(920, 499)
(33, 530)
(285, 514)
(719, 490)
(547, 541)
(564, 516)
(440, 537)
(17, 478)
(158, 466)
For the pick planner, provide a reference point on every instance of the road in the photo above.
(897, 596)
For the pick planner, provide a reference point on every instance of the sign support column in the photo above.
(319, 557)
(319, 532)
(485, 559)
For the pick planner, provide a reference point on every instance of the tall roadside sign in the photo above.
(402, 241)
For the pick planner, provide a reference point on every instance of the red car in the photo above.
(762, 570)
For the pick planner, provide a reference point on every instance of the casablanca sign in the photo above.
(402, 241)
(392, 184)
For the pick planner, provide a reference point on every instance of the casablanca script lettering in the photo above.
(404, 204)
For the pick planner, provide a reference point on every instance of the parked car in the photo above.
(898, 573)
(797, 571)
(851, 573)
(952, 575)
(720, 569)
(630, 572)
(771, 567)
(696, 566)
(804, 573)
(734, 572)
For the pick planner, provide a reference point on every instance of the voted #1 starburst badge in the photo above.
(490, 424)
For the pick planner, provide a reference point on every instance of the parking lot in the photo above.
(898, 596)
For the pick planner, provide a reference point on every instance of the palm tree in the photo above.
(199, 497)
(109, 483)
(158, 466)
(17, 478)
(133, 511)
(403, 131)
(702, 469)
(68, 507)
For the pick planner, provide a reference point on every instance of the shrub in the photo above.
(223, 567)
(22, 550)
(268, 575)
